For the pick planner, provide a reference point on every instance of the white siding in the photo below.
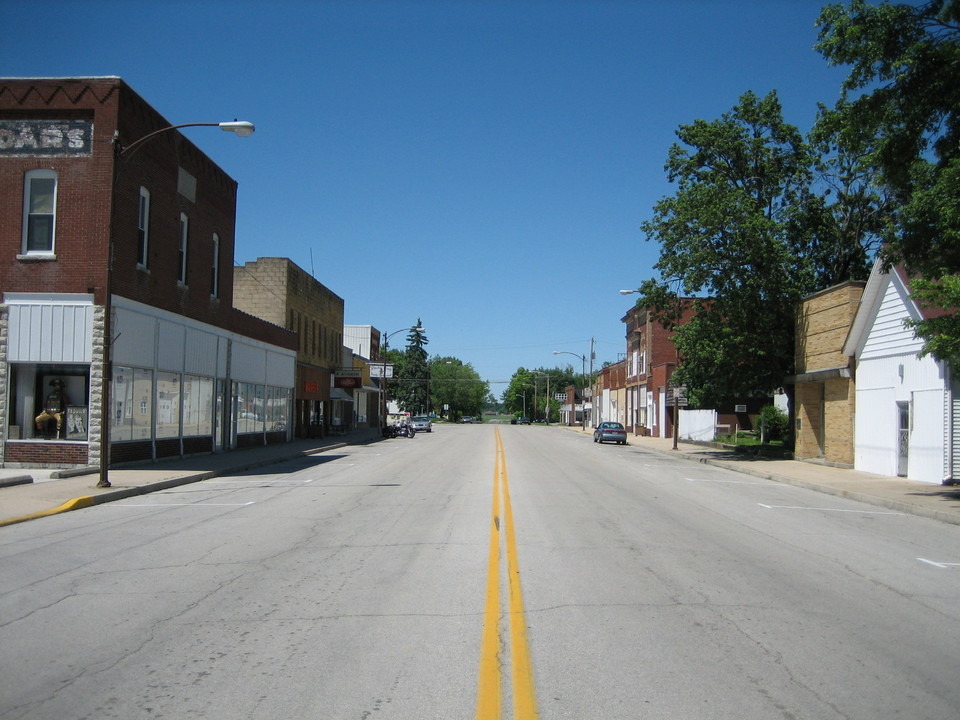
(152, 338)
(134, 339)
(171, 339)
(887, 335)
(55, 330)
(280, 369)
(876, 431)
(926, 437)
(200, 357)
(249, 363)
(888, 372)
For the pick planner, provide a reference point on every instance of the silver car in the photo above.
(610, 431)
(422, 423)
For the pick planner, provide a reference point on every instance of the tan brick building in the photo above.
(825, 396)
(280, 292)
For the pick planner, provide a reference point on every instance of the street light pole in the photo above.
(383, 373)
(120, 155)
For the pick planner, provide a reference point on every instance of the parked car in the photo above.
(468, 419)
(422, 423)
(523, 421)
(610, 431)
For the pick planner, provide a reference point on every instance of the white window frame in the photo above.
(143, 229)
(215, 268)
(182, 250)
(28, 178)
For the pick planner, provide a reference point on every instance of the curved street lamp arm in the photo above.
(239, 127)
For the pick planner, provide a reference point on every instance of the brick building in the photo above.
(651, 360)
(279, 291)
(106, 238)
(825, 390)
(609, 394)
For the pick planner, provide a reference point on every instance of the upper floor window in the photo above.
(182, 253)
(215, 268)
(39, 211)
(143, 228)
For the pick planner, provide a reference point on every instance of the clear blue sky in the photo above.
(482, 166)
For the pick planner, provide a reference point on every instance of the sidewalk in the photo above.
(938, 502)
(29, 493)
(26, 494)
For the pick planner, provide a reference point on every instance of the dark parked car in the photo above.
(610, 431)
(523, 421)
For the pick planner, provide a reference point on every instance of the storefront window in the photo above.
(278, 408)
(250, 408)
(131, 396)
(168, 405)
(48, 402)
(197, 405)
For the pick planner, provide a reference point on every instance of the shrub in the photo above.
(774, 423)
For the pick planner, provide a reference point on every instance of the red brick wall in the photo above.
(47, 453)
(83, 192)
(85, 200)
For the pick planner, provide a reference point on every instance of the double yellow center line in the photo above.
(492, 659)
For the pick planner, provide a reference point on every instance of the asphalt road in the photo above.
(480, 571)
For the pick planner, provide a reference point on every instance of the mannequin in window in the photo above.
(54, 406)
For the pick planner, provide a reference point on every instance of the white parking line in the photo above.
(798, 507)
(196, 504)
(941, 565)
(727, 482)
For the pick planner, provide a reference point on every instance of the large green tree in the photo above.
(732, 237)
(532, 392)
(409, 384)
(456, 389)
(901, 105)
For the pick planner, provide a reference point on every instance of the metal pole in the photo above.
(121, 153)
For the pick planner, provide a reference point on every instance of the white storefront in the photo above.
(178, 385)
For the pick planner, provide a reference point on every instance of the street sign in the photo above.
(377, 371)
(677, 396)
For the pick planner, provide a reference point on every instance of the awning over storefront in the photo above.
(338, 394)
(821, 375)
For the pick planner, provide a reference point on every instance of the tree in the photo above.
(846, 214)
(457, 386)
(901, 101)
(409, 384)
(531, 392)
(731, 232)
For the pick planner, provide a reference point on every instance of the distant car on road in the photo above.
(610, 431)
(468, 419)
(422, 423)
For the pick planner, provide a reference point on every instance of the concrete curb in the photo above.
(18, 480)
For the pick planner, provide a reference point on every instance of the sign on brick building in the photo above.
(46, 137)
